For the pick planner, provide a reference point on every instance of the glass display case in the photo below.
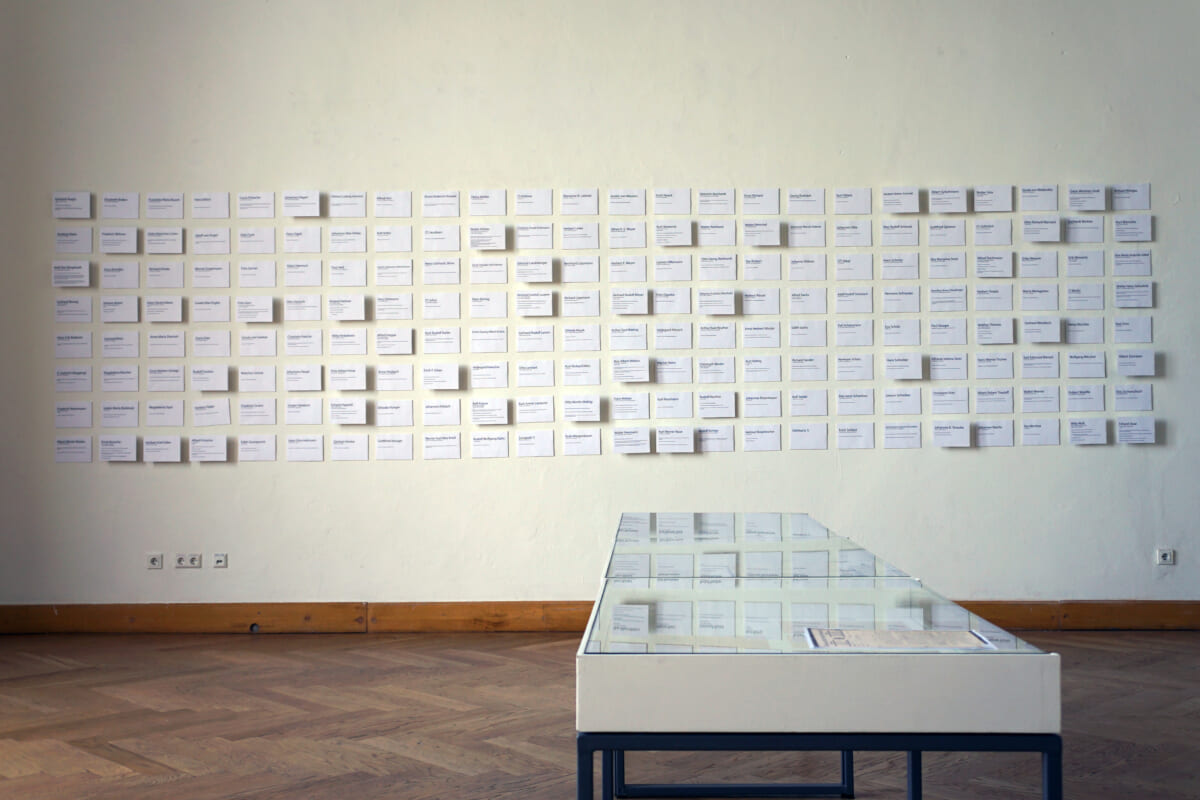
(750, 625)
(769, 583)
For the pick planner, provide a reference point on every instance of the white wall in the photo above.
(193, 96)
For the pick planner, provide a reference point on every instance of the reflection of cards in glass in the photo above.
(631, 620)
(827, 638)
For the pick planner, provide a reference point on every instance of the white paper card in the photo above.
(301, 447)
(72, 205)
(486, 236)
(901, 435)
(393, 204)
(947, 265)
(301, 203)
(902, 200)
(303, 239)
(1039, 264)
(1133, 397)
(630, 202)
(487, 202)
(1131, 262)
(579, 201)
(1132, 228)
(437, 446)
(1084, 431)
(1135, 430)
(852, 201)
(118, 275)
(210, 205)
(626, 235)
(855, 435)
(439, 204)
(1039, 197)
(440, 238)
(118, 240)
(946, 233)
(993, 232)
(716, 233)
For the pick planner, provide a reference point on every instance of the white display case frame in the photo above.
(916, 699)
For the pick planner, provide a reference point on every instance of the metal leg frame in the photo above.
(914, 775)
(624, 790)
(613, 746)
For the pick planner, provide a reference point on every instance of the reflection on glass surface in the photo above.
(769, 583)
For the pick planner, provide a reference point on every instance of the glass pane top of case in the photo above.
(738, 545)
(769, 583)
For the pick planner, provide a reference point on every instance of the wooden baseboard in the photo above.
(186, 618)
(1036, 615)
(1148, 615)
(1090, 615)
(560, 616)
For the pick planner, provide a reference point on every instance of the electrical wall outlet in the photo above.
(220, 560)
(1164, 557)
(188, 561)
(154, 560)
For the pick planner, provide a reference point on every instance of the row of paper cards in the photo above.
(620, 235)
(1088, 197)
(764, 619)
(760, 266)
(668, 336)
(661, 301)
(635, 569)
(759, 568)
(587, 442)
(760, 619)
(716, 369)
(304, 409)
(667, 527)
(259, 341)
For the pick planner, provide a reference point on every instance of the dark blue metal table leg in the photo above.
(847, 773)
(583, 769)
(613, 747)
(1052, 777)
(914, 775)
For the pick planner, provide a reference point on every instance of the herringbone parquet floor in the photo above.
(443, 717)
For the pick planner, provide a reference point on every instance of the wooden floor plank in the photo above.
(491, 715)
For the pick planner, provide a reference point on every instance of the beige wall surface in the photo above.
(248, 96)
